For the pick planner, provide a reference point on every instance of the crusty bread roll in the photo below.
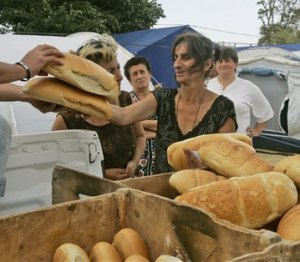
(176, 155)
(129, 242)
(136, 258)
(104, 251)
(167, 258)
(251, 201)
(290, 166)
(55, 91)
(186, 179)
(69, 252)
(86, 75)
(230, 159)
(289, 224)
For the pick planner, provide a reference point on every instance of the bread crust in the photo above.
(85, 75)
(176, 155)
(104, 251)
(70, 252)
(251, 201)
(55, 91)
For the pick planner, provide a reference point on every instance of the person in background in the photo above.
(187, 111)
(122, 147)
(138, 72)
(30, 65)
(246, 96)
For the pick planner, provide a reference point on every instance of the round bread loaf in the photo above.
(136, 258)
(186, 179)
(69, 252)
(290, 166)
(129, 242)
(289, 224)
(103, 251)
(167, 258)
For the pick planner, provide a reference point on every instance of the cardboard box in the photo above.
(166, 226)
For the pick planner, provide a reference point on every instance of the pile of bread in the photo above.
(78, 84)
(238, 185)
(127, 246)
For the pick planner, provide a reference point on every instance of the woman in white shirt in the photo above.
(248, 99)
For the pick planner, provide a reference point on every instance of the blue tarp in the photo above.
(155, 45)
(288, 47)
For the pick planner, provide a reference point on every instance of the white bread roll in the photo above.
(86, 75)
(55, 91)
(69, 252)
(230, 159)
(136, 258)
(167, 258)
(186, 179)
(176, 155)
(129, 242)
(251, 201)
(289, 225)
(290, 166)
(103, 251)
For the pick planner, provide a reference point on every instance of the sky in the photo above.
(230, 21)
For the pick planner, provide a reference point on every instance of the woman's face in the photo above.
(113, 67)
(183, 64)
(226, 67)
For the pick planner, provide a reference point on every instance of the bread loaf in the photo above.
(290, 166)
(85, 75)
(69, 252)
(103, 251)
(176, 155)
(289, 224)
(186, 179)
(230, 159)
(136, 258)
(52, 90)
(129, 242)
(167, 258)
(251, 201)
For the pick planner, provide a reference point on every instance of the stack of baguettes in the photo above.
(250, 192)
(79, 84)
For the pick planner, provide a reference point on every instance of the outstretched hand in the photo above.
(41, 55)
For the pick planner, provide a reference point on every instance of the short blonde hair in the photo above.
(99, 49)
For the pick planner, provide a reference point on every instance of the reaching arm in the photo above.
(35, 60)
(135, 112)
(259, 127)
(59, 124)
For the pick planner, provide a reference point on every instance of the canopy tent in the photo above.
(277, 72)
(155, 45)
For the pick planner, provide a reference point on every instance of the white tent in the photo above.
(22, 116)
(277, 73)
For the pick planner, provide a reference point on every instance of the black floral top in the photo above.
(118, 142)
(168, 131)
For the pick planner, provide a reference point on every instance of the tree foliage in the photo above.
(280, 21)
(70, 16)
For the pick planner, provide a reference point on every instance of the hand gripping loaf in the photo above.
(186, 179)
(86, 75)
(250, 202)
(53, 90)
(176, 155)
(230, 159)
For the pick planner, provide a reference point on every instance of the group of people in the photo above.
(145, 122)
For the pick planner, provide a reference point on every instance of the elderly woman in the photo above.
(187, 111)
(122, 146)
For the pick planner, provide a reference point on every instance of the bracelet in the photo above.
(26, 67)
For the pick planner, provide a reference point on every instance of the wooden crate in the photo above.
(166, 226)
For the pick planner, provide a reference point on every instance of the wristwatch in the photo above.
(26, 67)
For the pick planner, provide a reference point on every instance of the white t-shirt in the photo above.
(247, 99)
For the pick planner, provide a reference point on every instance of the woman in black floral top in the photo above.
(188, 111)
